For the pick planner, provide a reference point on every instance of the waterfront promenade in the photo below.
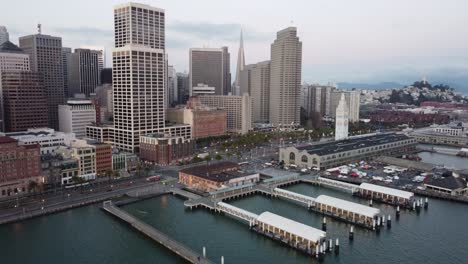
(163, 239)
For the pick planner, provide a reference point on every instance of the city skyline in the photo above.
(343, 42)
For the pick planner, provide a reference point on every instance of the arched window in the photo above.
(292, 156)
(304, 158)
(314, 161)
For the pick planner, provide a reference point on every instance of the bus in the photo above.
(76, 185)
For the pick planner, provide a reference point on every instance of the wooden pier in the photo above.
(163, 239)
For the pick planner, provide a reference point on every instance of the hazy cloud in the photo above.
(213, 31)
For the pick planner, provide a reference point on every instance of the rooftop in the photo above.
(292, 227)
(348, 206)
(352, 143)
(219, 172)
(8, 47)
(386, 190)
(450, 182)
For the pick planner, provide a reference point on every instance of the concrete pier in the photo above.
(163, 239)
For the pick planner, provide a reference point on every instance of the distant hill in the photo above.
(367, 86)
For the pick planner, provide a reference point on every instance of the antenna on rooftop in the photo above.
(39, 28)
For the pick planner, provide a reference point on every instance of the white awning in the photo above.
(292, 227)
(348, 206)
(386, 190)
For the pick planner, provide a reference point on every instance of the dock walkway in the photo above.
(163, 239)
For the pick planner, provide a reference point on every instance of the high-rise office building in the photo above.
(210, 66)
(171, 86)
(106, 76)
(240, 66)
(66, 56)
(238, 110)
(12, 58)
(352, 101)
(183, 92)
(24, 100)
(342, 119)
(317, 99)
(255, 81)
(45, 54)
(226, 71)
(83, 72)
(4, 36)
(285, 78)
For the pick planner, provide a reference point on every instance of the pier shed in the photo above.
(385, 194)
(353, 212)
(290, 231)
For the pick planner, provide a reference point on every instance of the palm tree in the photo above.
(109, 174)
(139, 167)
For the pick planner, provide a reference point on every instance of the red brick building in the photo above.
(165, 150)
(103, 159)
(205, 121)
(19, 164)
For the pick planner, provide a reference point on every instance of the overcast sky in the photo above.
(343, 40)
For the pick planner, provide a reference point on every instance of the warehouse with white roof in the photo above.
(295, 232)
(385, 194)
(349, 211)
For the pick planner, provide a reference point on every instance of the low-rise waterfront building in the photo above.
(385, 194)
(216, 176)
(331, 154)
(448, 185)
(165, 149)
(85, 155)
(19, 165)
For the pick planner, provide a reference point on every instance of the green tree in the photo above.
(218, 157)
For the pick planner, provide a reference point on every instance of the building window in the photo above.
(314, 161)
(292, 156)
(304, 158)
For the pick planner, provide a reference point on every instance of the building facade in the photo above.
(75, 116)
(165, 149)
(317, 99)
(85, 156)
(240, 66)
(24, 101)
(4, 36)
(238, 110)
(138, 73)
(255, 80)
(12, 58)
(209, 66)
(205, 121)
(83, 72)
(45, 54)
(103, 159)
(285, 78)
(336, 153)
(183, 91)
(19, 165)
(66, 57)
(216, 176)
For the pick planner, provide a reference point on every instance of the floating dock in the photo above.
(351, 212)
(385, 194)
(295, 234)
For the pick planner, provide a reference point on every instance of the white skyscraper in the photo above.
(240, 66)
(139, 76)
(285, 78)
(341, 120)
(138, 73)
(4, 36)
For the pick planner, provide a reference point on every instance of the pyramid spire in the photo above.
(240, 62)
